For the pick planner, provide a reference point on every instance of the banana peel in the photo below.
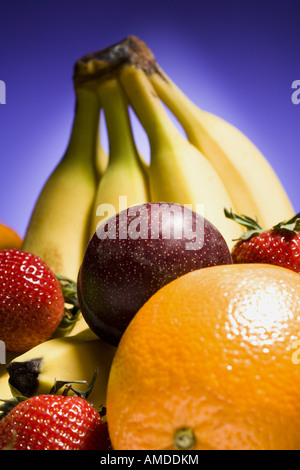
(5, 390)
(70, 358)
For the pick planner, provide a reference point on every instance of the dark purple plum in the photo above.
(135, 253)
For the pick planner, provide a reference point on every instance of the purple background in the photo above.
(237, 59)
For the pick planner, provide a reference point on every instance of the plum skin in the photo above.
(118, 275)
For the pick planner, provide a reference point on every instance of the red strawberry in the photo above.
(54, 422)
(279, 245)
(31, 300)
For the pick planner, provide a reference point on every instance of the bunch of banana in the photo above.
(178, 171)
(72, 358)
(215, 167)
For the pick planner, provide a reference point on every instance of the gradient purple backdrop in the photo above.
(237, 59)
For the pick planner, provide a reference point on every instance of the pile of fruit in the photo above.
(151, 306)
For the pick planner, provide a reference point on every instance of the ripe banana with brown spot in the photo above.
(72, 358)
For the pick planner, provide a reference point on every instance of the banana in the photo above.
(253, 185)
(178, 171)
(101, 157)
(125, 174)
(79, 327)
(5, 391)
(58, 230)
(70, 358)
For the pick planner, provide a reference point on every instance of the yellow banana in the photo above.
(124, 175)
(70, 358)
(5, 391)
(178, 171)
(79, 326)
(253, 185)
(58, 229)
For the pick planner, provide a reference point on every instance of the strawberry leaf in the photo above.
(72, 310)
(68, 385)
(291, 225)
(9, 404)
(58, 384)
(252, 225)
(85, 394)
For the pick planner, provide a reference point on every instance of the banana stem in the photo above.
(147, 106)
(82, 144)
(182, 107)
(114, 103)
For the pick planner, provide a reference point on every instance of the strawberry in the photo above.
(32, 303)
(53, 422)
(279, 245)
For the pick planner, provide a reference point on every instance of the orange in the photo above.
(211, 362)
(9, 238)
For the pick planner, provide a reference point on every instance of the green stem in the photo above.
(182, 107)
(148, 107)
(115, 106)
(72, 311)
(82, 143)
